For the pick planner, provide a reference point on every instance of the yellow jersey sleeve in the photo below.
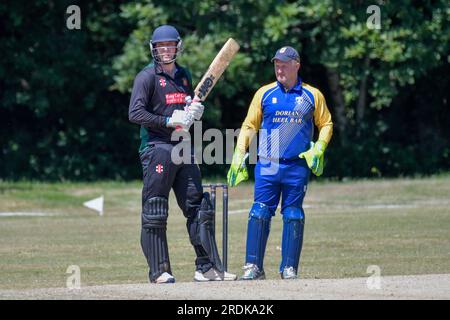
(252, 121)
(322, 117)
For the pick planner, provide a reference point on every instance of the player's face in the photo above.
(286, 71)
(166, 50)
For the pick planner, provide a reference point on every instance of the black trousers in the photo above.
(161, 174)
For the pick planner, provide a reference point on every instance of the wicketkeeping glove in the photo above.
(315, 157)
(238, 170)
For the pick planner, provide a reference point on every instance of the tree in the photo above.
(64, 93)
(59, 120)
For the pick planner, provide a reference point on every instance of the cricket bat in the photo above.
(216, 69)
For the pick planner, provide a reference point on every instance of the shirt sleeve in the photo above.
(252, 122)
(322, 118)
(140, 98)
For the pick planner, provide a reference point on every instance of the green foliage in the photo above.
(64, 94)
(59, 120)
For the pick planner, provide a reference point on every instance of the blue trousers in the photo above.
(285, 180)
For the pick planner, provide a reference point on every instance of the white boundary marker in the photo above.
(95, 204)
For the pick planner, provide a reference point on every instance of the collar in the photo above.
(297, 87)
(160, 70)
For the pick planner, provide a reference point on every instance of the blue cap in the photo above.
(286, 53)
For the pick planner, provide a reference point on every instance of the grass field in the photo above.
(401, 225)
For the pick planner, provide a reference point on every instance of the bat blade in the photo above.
(216, 69)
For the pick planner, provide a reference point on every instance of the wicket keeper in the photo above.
(284, 112)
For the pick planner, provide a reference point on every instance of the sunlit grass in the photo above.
(401, 225)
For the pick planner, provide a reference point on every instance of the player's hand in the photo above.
(195, 107)
(180, 119)
(315, 157)
(238, 170)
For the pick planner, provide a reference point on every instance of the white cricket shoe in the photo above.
(252, 272)
(289, 273)
(165, 278)
(227, 276)
(213, 275)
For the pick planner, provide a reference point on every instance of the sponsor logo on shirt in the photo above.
(162, 82)
(175, 98)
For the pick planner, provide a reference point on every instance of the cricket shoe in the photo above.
(213, 275)
(227, 276)
(165, 278)
(289, 273)
(252, 272)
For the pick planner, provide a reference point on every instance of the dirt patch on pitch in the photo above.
(391, 287)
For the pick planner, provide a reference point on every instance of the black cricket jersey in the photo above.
(154, 97)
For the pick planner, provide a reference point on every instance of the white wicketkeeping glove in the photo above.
(195, 108)
(180, 119)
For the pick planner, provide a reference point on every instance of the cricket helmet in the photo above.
(165, 33)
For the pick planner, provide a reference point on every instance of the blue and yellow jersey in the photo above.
(285, 120)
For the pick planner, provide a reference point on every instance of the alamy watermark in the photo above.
(216, 146)
(374, 20)
(74, 280)
(218, 149)
(73, 22)
(373, 282)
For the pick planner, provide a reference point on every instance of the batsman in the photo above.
(161, 103)
(284, 112)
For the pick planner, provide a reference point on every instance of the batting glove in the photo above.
(194, 107)
(180, 119)
(315, 157)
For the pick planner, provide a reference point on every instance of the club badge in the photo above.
(159, 168)
(298, 101)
